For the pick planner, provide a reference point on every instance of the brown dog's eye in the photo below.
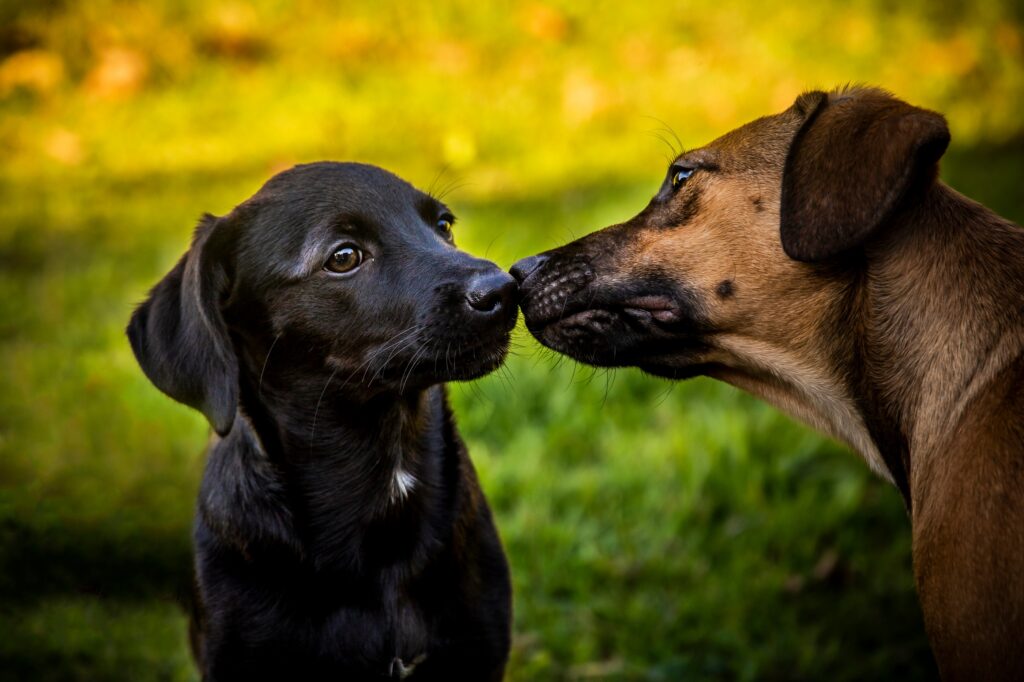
(679, 176)
(346, 259)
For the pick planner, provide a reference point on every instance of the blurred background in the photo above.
(655, 531)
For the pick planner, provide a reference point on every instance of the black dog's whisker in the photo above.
(259, 386)
(478, 393)
(407, 343)
(396, 339)
(378, 371)
(316, 412)
(487, 251)
(455, 184)
(437, 178)
(412, 367)
(506, 373)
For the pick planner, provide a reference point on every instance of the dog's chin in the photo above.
(584, 336)
(473, 363)
(445, 361)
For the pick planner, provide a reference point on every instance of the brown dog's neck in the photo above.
(941, 303)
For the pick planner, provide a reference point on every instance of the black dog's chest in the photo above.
(379, 635)
(392, 639)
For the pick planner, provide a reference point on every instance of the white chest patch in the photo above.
(401, 669)
(402, 483)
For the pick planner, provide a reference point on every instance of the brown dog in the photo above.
(814, 259)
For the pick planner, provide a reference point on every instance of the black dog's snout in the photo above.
(492, 293)
(525, 267)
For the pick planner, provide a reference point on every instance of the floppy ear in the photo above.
(179, 335)
(851, 164)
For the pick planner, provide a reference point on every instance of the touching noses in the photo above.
(492, 293)
(526, 267)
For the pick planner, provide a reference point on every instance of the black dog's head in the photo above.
(349, 267)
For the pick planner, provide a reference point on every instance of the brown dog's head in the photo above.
(745, 244)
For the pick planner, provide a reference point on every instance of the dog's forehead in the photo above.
(301, 212)
(315, 197)
(337, 186)
(751, 147)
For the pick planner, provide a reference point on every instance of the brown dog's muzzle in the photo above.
(552, 293)
(576, 302)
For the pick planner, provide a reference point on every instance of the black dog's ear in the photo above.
(854, 159)
(179, 335)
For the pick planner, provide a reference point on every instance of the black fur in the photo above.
(340, 531)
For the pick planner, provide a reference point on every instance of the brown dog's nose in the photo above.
(492, 293)
(524, 268)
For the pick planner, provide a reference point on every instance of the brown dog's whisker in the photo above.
(678, 148)
(661, 138)
(669, 387)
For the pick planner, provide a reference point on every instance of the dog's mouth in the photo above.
(431, 358)
(615, 334)
(650, 309)
(612, 326)
(469, 360)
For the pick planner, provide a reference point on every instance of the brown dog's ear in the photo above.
(854, 159)
(179, 335)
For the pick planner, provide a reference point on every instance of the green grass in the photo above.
(655, 531)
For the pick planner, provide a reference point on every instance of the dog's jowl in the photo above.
(340, 530)
(815, 259)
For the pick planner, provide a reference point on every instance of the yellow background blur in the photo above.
(654, 532)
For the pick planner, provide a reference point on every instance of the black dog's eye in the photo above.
(679, 175)
(345, 259)
(444, 225)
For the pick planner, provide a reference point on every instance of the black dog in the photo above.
(341, 533)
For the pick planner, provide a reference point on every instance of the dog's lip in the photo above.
(660, 307)
(645, 308)
(499, 342)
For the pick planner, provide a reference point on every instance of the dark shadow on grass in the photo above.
(115, 559)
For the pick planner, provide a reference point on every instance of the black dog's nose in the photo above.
(525, 267)
(492, 292)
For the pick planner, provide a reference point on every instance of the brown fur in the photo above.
(814, 259)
